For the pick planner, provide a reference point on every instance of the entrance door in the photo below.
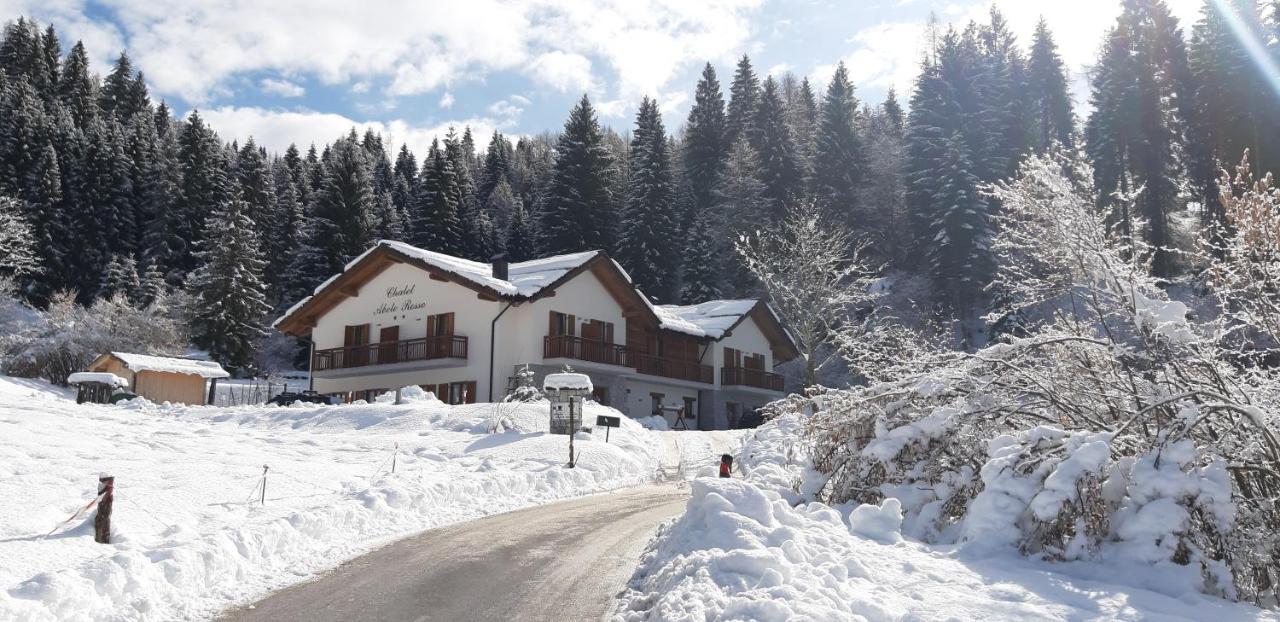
(387, 346)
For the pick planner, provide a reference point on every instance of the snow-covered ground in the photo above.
(748, 549)
(189, 535)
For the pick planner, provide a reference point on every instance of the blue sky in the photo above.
(306, 70)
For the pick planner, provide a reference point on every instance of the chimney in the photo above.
(499, 267)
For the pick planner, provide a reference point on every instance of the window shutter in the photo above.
(573, 325)
(551, 327)
(431, 326)
(447, 319)
(470, 388)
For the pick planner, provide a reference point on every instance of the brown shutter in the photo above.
(551, 327)
(572, 324)
(447, 318)
(431, 326)
(470, 388)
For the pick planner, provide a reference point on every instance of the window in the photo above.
(754, 361)
(690, 410)
(732, 358)
(597, 330)
(440, 325)
(454, 392)
(656, 403)
(561, 324)
(600, 395)
(734, 414)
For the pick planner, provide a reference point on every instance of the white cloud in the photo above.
(886, 55)
(446, 100)
(283, 88)
(276, 129)
(506, 109)
(777, 70)
(194, 49)
(563, 71)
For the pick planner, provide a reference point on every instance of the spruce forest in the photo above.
(107, 197)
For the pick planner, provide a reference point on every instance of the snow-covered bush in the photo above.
(66, 337)
(1110, 426)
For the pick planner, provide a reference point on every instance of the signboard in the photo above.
(400, 300)
(566, 415)
(608, 422)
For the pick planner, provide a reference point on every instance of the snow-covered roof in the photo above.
(97, 376)
(191, 367)
(567, 381)
(524, 278)
(706, 319)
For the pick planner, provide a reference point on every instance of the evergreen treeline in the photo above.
(120, 196)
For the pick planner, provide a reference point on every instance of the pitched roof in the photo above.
(715, 319)
(190, 367)
(525, 279)
(707, 319)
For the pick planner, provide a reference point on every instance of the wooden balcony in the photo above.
(387, 352)
(592, 350)
(757, 378)
(672, 368)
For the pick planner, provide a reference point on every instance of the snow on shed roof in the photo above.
(97, 376)
(190, 367)
(706, 319)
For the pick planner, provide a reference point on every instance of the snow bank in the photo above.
(752, 549)
(189, 536)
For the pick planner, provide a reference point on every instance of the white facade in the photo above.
(407, 294)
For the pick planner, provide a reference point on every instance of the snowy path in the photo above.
(563, 562)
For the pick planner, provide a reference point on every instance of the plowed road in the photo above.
(559, 562)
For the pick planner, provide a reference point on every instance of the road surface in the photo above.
(563, 562)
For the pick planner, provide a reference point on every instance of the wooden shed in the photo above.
(162, 378)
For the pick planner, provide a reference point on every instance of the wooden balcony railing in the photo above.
(406, 350)
(743, 377)
(672, 368)
(573, 347)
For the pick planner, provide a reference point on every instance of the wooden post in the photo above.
(394, 452)
(213, 388)
(102, 521)
(263, 499)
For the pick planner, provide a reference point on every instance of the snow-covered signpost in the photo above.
(566, 392)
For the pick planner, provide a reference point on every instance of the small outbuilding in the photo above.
(163, 378)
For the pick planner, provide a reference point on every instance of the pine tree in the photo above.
(893, 111)
(119, 94)
(18, 255)
(120, 278)
(744, 97)
(958, 259)
(740, 205)
(650, 225)
(161, 202)
(839, 167)
(703, 265)
(51, 50)
(1134, 134)
(345, 203)
(1048, 92)
(704, 140)
(522, 239)
(228, 297)
(51, 231)
(580, 213)
(497, 162)
(76, 89)
(771, 138)
(438, 227)
(476, 225)
(205, 186)
(502, 204)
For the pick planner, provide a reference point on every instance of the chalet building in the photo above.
(399, 315)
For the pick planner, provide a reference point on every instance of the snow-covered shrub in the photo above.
(66, 337)
(1111, 426)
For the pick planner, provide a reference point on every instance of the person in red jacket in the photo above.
(726, 465)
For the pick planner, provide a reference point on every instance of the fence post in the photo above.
(263, 499)
(393, 457)
(102, 521)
